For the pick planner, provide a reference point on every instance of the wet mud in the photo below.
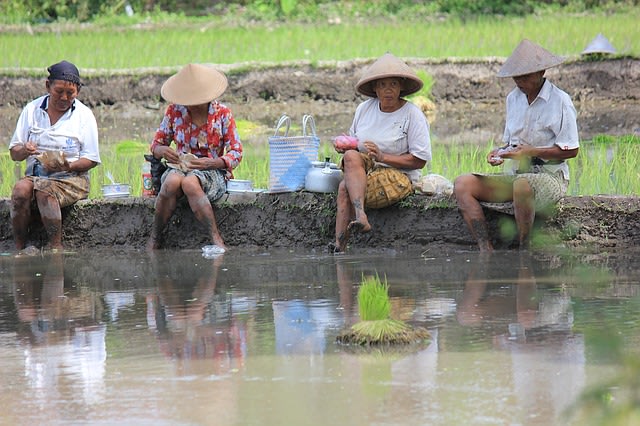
(306, 221)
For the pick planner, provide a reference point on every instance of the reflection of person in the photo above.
(57, 135)
(540, 134)
(199, 126)
(60, 329)
(535, 326)
(184, 317)
(394, 144)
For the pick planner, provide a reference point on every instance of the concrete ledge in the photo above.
(307, 220)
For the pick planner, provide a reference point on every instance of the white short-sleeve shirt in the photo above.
(403, 131)
(549, 120)
(75, 133)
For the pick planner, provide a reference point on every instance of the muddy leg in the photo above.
(343, 217)
(201, 207)
(21, 212)
(165, 206)
(51, 218)
(471, 211)
(524, 210)
(351, 194)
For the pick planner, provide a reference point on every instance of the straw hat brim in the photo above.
(385, 67)
(194, 84)
(528, 58)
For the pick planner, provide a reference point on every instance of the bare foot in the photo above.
(218, 242)
(358, 226)
(334, 248)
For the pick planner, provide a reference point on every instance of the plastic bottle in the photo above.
(147, 182)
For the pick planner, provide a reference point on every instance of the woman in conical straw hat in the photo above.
(540, 134)
(207, 148)
(393, 146)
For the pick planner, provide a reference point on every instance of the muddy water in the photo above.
(249, 337)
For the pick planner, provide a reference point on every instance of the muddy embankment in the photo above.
(469, 103)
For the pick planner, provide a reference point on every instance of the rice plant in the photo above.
(606, 165)
(107, 48)
(376, 327)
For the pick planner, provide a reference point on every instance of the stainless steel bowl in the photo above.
(239, 185)
(116, 190)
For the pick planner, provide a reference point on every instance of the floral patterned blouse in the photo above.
(218, 138)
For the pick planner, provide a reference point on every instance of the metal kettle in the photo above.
(323, 176)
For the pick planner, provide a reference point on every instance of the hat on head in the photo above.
(528, 58)
(64, 71)
(194, 84)
(389, 66)
(599, 44)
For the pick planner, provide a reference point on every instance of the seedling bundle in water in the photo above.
(376, 327)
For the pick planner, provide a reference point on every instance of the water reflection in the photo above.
(535, 327)
(195, 326)
(249, 338)
(60, 332)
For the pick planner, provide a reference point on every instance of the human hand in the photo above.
(31, 148)
(344, 143)
(53, 161)
(516, 152)
(373, 151)
(195, 163)
(170, 155)
(494, 157)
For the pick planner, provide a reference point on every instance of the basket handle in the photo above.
(308, 119)
(284, 119)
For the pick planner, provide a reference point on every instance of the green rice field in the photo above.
(605, 165)
(171, 44)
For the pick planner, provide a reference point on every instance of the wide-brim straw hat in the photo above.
(528, 58)
(599, 44)
(389, 66)
(194, 84)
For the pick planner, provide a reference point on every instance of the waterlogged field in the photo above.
(605, 165)
(249, 338)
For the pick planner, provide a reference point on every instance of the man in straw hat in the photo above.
(393, 146)
(540, 134)
(207, 148)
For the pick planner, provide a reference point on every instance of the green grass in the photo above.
(127, 47)
(109, 48)
(611, 167)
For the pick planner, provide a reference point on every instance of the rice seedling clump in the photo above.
(376, 327)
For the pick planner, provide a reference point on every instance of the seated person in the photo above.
(394, 145)
(207, 150)
(540, 134)
(57, 135)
